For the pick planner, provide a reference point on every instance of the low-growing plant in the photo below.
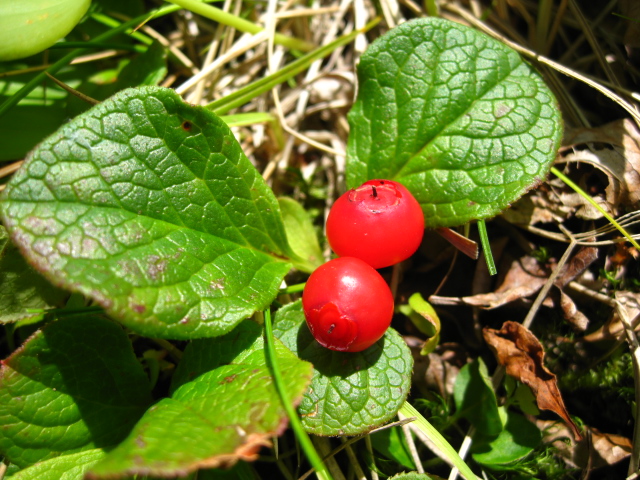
(148, 207)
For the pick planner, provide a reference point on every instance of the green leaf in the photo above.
(22, 289)
(301, 234)
(27, 28)
(224, 407)
(475, 399)
(74, 386)
(456, 116)
(240, 471)
(66, 467)
(148, 206)
(350, 393)
(27, 126)
(425, 319)
(415, 476)
(148, 68)
(518, 439)
(391, 443)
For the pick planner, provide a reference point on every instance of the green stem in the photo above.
(296, 425)
(432, 8)
(298, 287)
(595, 204)
(438, 440)
(486, 247)
(106, 45)
(220, 16)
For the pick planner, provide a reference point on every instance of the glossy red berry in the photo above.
(347, 304)
(379, 222)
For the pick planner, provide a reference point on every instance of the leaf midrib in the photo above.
(135, 214)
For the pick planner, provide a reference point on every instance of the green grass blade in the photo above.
(588, 198)
(220, 16)
(296, 425)
(438, 440)
(265, 84)
(250, 118)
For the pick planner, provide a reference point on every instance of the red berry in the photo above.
(379, 222)
(347, 304)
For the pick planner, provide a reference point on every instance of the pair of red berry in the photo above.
(347, 304)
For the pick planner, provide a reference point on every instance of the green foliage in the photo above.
(65, 467)
(391, 443)
(301, 234)
(350, 393)
(223, 407)
(475, 399)
(74, 386)
(27, 28)
(148, 206)
(516, 441)
(425, 319)
(455, 116)
(22, 290)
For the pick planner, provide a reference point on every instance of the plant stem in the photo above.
(220, 16)
(298, 287)
(595, 204)
(296, 425)
(486, 247)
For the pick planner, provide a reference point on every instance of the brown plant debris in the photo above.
(596, 450)
(520, 352)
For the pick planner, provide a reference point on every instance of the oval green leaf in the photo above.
(456, 116)
(30, 26)
(224, 408)
(74, 386)
(24, 294)
(149, 206)
(301, 235)
(476, 400)
(66, 467)
(518, 439)
(350, 393)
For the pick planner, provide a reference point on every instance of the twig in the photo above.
(73, 91)
(354, 462)
(632, 339)
(403, 421)
(464, 449)
(412, 448)
(374, 473)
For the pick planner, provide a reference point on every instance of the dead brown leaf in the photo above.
(596, 450)
(524, 278)
(438, 370)
(520, 352)
(572, 270)
(577, 265)
(538, 206)
(627, 303)
(631, 10)
(614, 149)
